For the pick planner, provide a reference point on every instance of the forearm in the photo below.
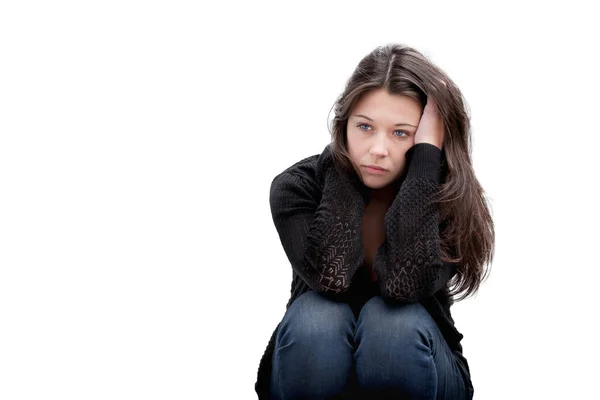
(408, 264)
(320, 229)
(335, 250)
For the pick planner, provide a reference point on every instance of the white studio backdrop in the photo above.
(138, 141)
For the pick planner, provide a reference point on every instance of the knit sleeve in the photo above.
(320, 228)
(408, 264)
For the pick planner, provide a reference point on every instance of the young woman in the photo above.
(383, 230)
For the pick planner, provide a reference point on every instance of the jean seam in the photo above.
(277, 361)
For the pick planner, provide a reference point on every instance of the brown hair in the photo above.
(467, 237)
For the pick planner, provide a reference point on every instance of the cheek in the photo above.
(354, 152)
(400, 165)
(353, 145)
(351, 138)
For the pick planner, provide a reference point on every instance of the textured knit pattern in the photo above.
(317, 211)
(408, 263)
(323, 244)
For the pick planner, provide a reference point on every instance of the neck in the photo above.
(385, 195)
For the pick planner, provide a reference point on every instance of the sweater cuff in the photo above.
(424, 160)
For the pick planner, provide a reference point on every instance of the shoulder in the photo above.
(297, 187)
(308, 170)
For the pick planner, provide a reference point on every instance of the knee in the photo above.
(395, 345)
(314, 316)
(313, 350)
(397, 326)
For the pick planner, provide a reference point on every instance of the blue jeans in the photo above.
(395, 351)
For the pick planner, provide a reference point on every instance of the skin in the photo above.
(375, 139)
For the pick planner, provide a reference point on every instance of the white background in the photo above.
(138, 258)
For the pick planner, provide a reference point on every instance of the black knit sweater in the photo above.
(317, 210)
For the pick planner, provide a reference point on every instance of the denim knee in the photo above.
(396, 324)
(395, 347)
(312, 317)
(313, 349)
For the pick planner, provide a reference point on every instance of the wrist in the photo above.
(424, 160)
(430, 141)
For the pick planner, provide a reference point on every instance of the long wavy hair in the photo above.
(467, 230)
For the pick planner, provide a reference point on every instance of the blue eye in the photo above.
(361, 125)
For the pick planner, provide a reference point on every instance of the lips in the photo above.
(374, 170)
(376, 167)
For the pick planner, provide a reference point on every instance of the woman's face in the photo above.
(381, 128)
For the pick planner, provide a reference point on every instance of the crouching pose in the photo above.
(383, 230)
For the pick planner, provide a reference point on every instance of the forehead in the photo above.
(379, 103)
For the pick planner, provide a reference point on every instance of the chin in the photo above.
(376, 185)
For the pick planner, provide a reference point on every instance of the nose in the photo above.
(379, 145)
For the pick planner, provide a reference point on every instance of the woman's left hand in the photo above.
(431, 125)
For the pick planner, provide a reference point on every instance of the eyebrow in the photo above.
(400, 124)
